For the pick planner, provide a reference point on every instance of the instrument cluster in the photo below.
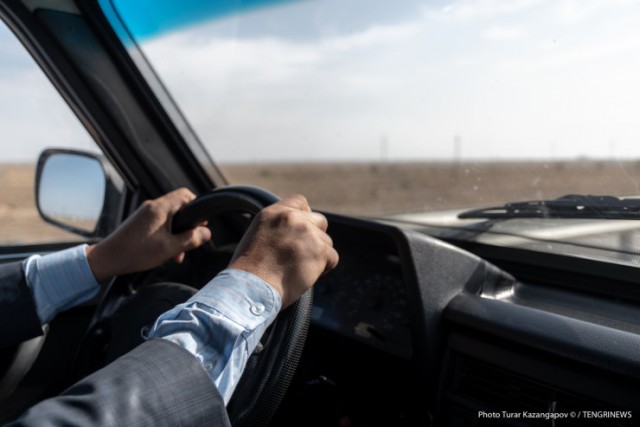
(365, 299)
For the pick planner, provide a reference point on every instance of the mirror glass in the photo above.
(71, 191)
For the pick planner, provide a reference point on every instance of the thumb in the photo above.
(193, 238)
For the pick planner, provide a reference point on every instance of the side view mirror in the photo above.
(79, 192)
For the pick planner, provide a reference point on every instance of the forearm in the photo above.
(222, 324)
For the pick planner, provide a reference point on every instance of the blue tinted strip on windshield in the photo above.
(150, 18)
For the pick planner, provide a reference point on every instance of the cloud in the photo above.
(33, 115)
(474, 10)
(287, 93)
(504, 33)
(37, 122)
(377, 35)
(419, 82)
(571, 12)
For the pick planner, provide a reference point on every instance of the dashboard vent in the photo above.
(488, 385)
(475, 386)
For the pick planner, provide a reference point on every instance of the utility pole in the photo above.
(457, 155)
(384, 148)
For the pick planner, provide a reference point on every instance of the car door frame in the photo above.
(80, 53)
(83, 58)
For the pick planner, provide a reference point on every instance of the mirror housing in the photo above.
(79, 192)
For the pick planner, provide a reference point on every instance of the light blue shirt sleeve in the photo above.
(59, 281)
(222, 324)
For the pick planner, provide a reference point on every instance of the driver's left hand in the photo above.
(144, 241)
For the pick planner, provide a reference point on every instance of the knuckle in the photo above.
(267, 213)
(288, 217)
(301, 199)
(151, 207)
(306, 229)
(329, 240)
(324, 222)
(296, 201)
(335, 257)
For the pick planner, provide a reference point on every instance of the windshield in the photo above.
(384, 108)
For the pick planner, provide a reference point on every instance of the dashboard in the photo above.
(539, 333)
(365, 298)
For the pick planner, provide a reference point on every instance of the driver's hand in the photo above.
(144, 241)
(287, 246)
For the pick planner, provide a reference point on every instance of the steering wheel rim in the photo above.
(271, 367)
(270, 370)
(225, 200)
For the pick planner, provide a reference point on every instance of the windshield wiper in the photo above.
(569, 206)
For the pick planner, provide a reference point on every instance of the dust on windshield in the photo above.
(376, 108)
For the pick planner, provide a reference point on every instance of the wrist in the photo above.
(262, 274)
(101, 265)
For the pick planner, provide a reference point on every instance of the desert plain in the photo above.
(365, 189)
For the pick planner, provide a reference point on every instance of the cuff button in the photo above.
(257, 309)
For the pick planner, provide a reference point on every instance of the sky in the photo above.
(327, 80)
(33, 116)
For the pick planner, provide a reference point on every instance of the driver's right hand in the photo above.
(287, 246)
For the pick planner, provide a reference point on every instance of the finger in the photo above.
(178, 199)
(173, 202)
(193, 238)
(182, 194)
(179, 258)
(326, 239)
(318, 220)
(332, 260)
(297, 201)
(323, 237)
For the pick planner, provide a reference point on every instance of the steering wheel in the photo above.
(269, 369)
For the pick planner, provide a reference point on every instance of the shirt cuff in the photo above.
(222, 324)
(59, 281)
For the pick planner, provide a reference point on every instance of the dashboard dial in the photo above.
(366, 301)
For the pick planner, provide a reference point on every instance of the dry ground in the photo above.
(365, 188)
(413, 187)
(20, 222)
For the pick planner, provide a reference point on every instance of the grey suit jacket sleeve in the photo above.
(157, 384)
(18, 317)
